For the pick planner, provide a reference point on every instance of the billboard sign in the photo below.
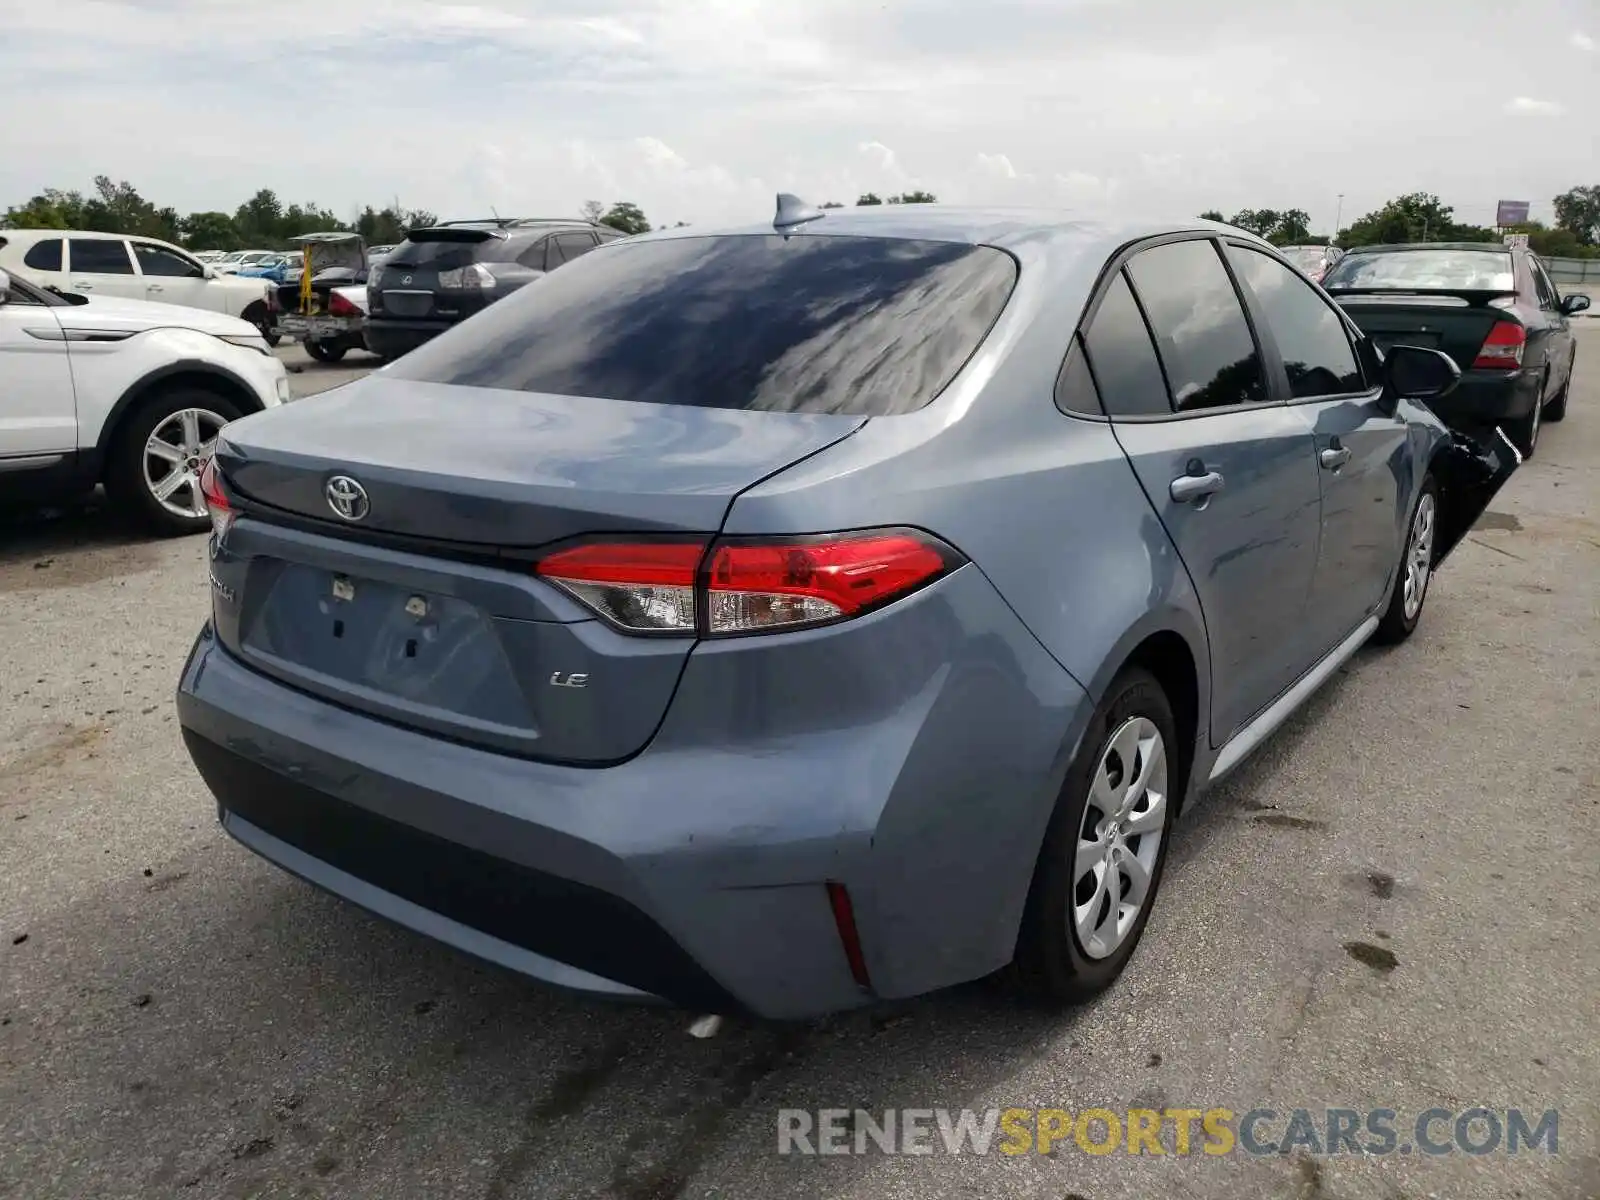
(1511, 212)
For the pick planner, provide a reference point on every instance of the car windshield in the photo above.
(811, 324)
(1427, 270)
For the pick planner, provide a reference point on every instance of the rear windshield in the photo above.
(447, 255)
(815, 324)
(1448, 270)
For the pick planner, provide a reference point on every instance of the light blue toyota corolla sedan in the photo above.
(778, 619)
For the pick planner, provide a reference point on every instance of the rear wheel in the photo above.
(153, 472)
(258, 316)
(328, 352)
(1557, 408)
(1415, 571)
(1105, 847)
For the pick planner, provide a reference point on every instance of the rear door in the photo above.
(1364, 466)
(102, 267)
(1229, 469)
(1557, 328)
(45, 263)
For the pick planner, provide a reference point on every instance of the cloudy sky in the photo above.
(699, 110)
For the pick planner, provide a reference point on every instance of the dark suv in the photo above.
(442, 275)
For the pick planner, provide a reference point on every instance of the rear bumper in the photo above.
(1489, 397)
(392, 338)
(693, 873)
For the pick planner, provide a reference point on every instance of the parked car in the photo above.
(207, 256)
(279, 268)
(768, 640)
(122, 392)
(440, 276)
(1313, 260)
(318, 311)
(132, 268)
(235, 260)
(1492, 308)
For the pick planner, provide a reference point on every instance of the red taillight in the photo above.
(217, 505)
(759, 585)
(749, 585)
(1502, 349)
(643, 587)
(844, 919)
(338, 306)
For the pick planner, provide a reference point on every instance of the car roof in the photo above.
(994, 226)
(1383, 247)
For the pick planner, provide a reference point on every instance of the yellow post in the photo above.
(305, 279)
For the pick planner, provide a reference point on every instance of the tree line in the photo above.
(1423, 217)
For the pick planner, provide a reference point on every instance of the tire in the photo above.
(1070, 947)
(258, 316)
(1525, 432)
(1415, 569)
(1556, 410)
(328, 352)
(133, 472)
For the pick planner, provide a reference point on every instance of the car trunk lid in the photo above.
(425, 609)
(1456, 322)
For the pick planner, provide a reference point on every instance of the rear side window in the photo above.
(98, 256)
(1430, 270)
(815, 324)
(565, 247)
(1123, 358)
(1201, 333)
(1311, 337)
(44, 256)
(1542, 285)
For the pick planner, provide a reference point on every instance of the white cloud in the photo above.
(1526, 106)
(700, 110)
(1581, 41)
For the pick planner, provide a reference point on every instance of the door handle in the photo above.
(154, 287)
(83, 285)
(1335, 456)
(1191, 489)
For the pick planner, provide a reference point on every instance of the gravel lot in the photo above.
(177, 1018)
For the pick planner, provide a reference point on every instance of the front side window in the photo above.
(99, 256)
(812, 324)
(1311, 337)
(1200, 329)
(158, 260)
(44, 256)
(1123, 359)
(572, 245)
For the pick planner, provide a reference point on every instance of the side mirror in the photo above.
(207, 271)
(1416, 373)
(5, 287)
(1573, 305)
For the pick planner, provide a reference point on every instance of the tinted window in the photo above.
(1200, 329)
(1075, 390)
(445, 255)
(815, 324)
(44, 256)
(1448, 270)
(538, 255)
(1542, 285)
(572, 245)
(158, 260)
(94, 256)
(1123, 358)
(1316, 350)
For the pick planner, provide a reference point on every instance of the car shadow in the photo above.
(32, 532)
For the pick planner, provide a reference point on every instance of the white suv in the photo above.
(133, 268)
(123, 392)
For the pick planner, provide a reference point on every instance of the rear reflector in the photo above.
(217, 505)
(748, 585)
(1502, 349)
(844, 917)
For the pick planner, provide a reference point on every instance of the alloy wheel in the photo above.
(1119, 841)
(174, 454)
(1419, 555)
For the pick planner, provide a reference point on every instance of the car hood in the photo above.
(136, 316)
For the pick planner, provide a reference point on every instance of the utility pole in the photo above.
(1338, 214)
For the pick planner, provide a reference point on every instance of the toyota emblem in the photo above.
(347, 498)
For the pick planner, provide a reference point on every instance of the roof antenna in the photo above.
(792, 213)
